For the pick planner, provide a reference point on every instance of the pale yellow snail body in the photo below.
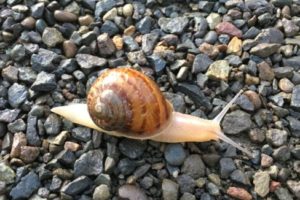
(124, 102)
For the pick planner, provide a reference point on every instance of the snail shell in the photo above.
(128, 102)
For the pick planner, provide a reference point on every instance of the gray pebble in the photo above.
(110, 28)
(8, 115)
(17, 94)
(44, 82)
(213, 189)
(158, 63)
(201, 63)
(77, 186)
(276, 137)
(236, 122)
(283, 150)
(240, 177)
(227, 166)
(27, 75)
(145, 25)
(31, 131)
(26, 187)
(37, 10)
(44, 61)
(294, 186)
(261, 182)
(18, 52)
(193, 166)
(173, 25)
(16, 126)
(132, 148)
(52, 124)
(148, 42)
(89, 62)
(52, 37)
(130, 43)
(186, 183)
(101, 192)
(82, 134)
(90, 163)
(175, 154)
(169, 189)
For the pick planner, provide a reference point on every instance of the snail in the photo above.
(126, 102)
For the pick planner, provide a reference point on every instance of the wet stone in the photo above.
(37, 10)
(77, 186)
(26, 187)
(90, 163)
(261, 182)
(193, 166)
(130, 43)
(44, 82)
(64, 16)
(276, 137)
(236, 122)
(173, 25)
(17, 94)
(131, 148)
(175, 154)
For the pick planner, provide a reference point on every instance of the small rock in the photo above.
(219, 70)
(193, 166)
(118, 42)
(270, 35)
(173, 25)
(186, 183)
(169, 189)
(283, 150)
(26, 187)
(213, 19)
(213, 189)
(18, 52)
(44, 61)
(29, 154)
(187, 196)
(227, 166)
(265, 71)
(130, 43)
(283, 194)
(131, 192)
(239, 177)
(158, 63)
(7, 175)
(201, 63)
(295, 100)
(37, 10)
(8, 115)
(101, 192)
(77, 186)
(145, 25)
(210, 50)
(81, 133)
(266, 160)
(132, 148)
(261, 181)
(127, 10)
(264, 49)
(110, 28)
(69, 48)
(290, 28)
(286, 85)
(88, 62)
(52, 37)
(17, 94)
(85, 20)
(277, 137)
(228, 28)
(10, 73)
(294, 186)
(236, 122)
(239, 193)
(28, 23)
(235, 46)
(18, 141)
(292, 62)
(105, 45)
(90, 163)
(64, 16)
(148, 42)
(44, 82)
(104, 6)
(110, 15)
(175, 154)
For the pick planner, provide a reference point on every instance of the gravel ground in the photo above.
(200, 53)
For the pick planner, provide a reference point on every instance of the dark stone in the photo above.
(175, 154)
(251, 33)
(31, 132)
(44, 82)
(66, 158)
(103, 6)
(132, 148)
(157, 63)
(227, 166)
(145, 25)
(193, 166)
(90, 163)
(240, 177)
(17, 94)
(110, 28)
(148, 42)
(279, 152)
(37, 10)
(126, 166)
(201, 63)
(130, 43)
(88, 62)
(44, 61)
(270, 35)
(173, 25)
(26, 187)
(186, 183)
(52, 124)
(8, 115)
(27, 75)
(236, 122)
(77, 186)
(105, 45)
(82, 133)
(292, 62)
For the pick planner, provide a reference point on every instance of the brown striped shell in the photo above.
(128, 102)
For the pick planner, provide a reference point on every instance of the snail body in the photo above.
(124, 102)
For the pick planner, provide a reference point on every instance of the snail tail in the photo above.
(223, 137)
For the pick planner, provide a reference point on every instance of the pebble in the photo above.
(89, 62)
(29, 154)
(37, 10)
(70, 48)
(9, 115)
(201, 63)
(31, 131)
(118, 42)
(105, 45)
(292, 62)
(17, 94)
(104, 6)
(187, 196)
(174, 154)
(77, 186)
(18, 52)
(52, 37)
(110, 15)
(131, 192)
(283, 194)
(145, 25)
(26, 187)
(270, 35)
(28, 22)
(213, 189)
(44, 82)
(158, 63)
(27, 75)
(228, 28)
(148, 42)
(173, 25)
(235, 46)
(110, 28)
(132, 148)
(283, 150)
(261, 181)
(101, 192)
(90, 163)
(127, 10)
(193, 166)
(219, 70)
(10, 73)
(44, 60)
(186, 183)
(18, 141)
(294, 187)
(236, 122)
(290, 28)
(227, 166)
(7, 175)
(240, 177)
(276, 137)
(169, 189)
(213, 19)
(266, 160)
(265, 71)
(265, 49)
(239, 193)
(17, 126)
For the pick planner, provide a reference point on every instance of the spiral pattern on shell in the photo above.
(127, 101)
